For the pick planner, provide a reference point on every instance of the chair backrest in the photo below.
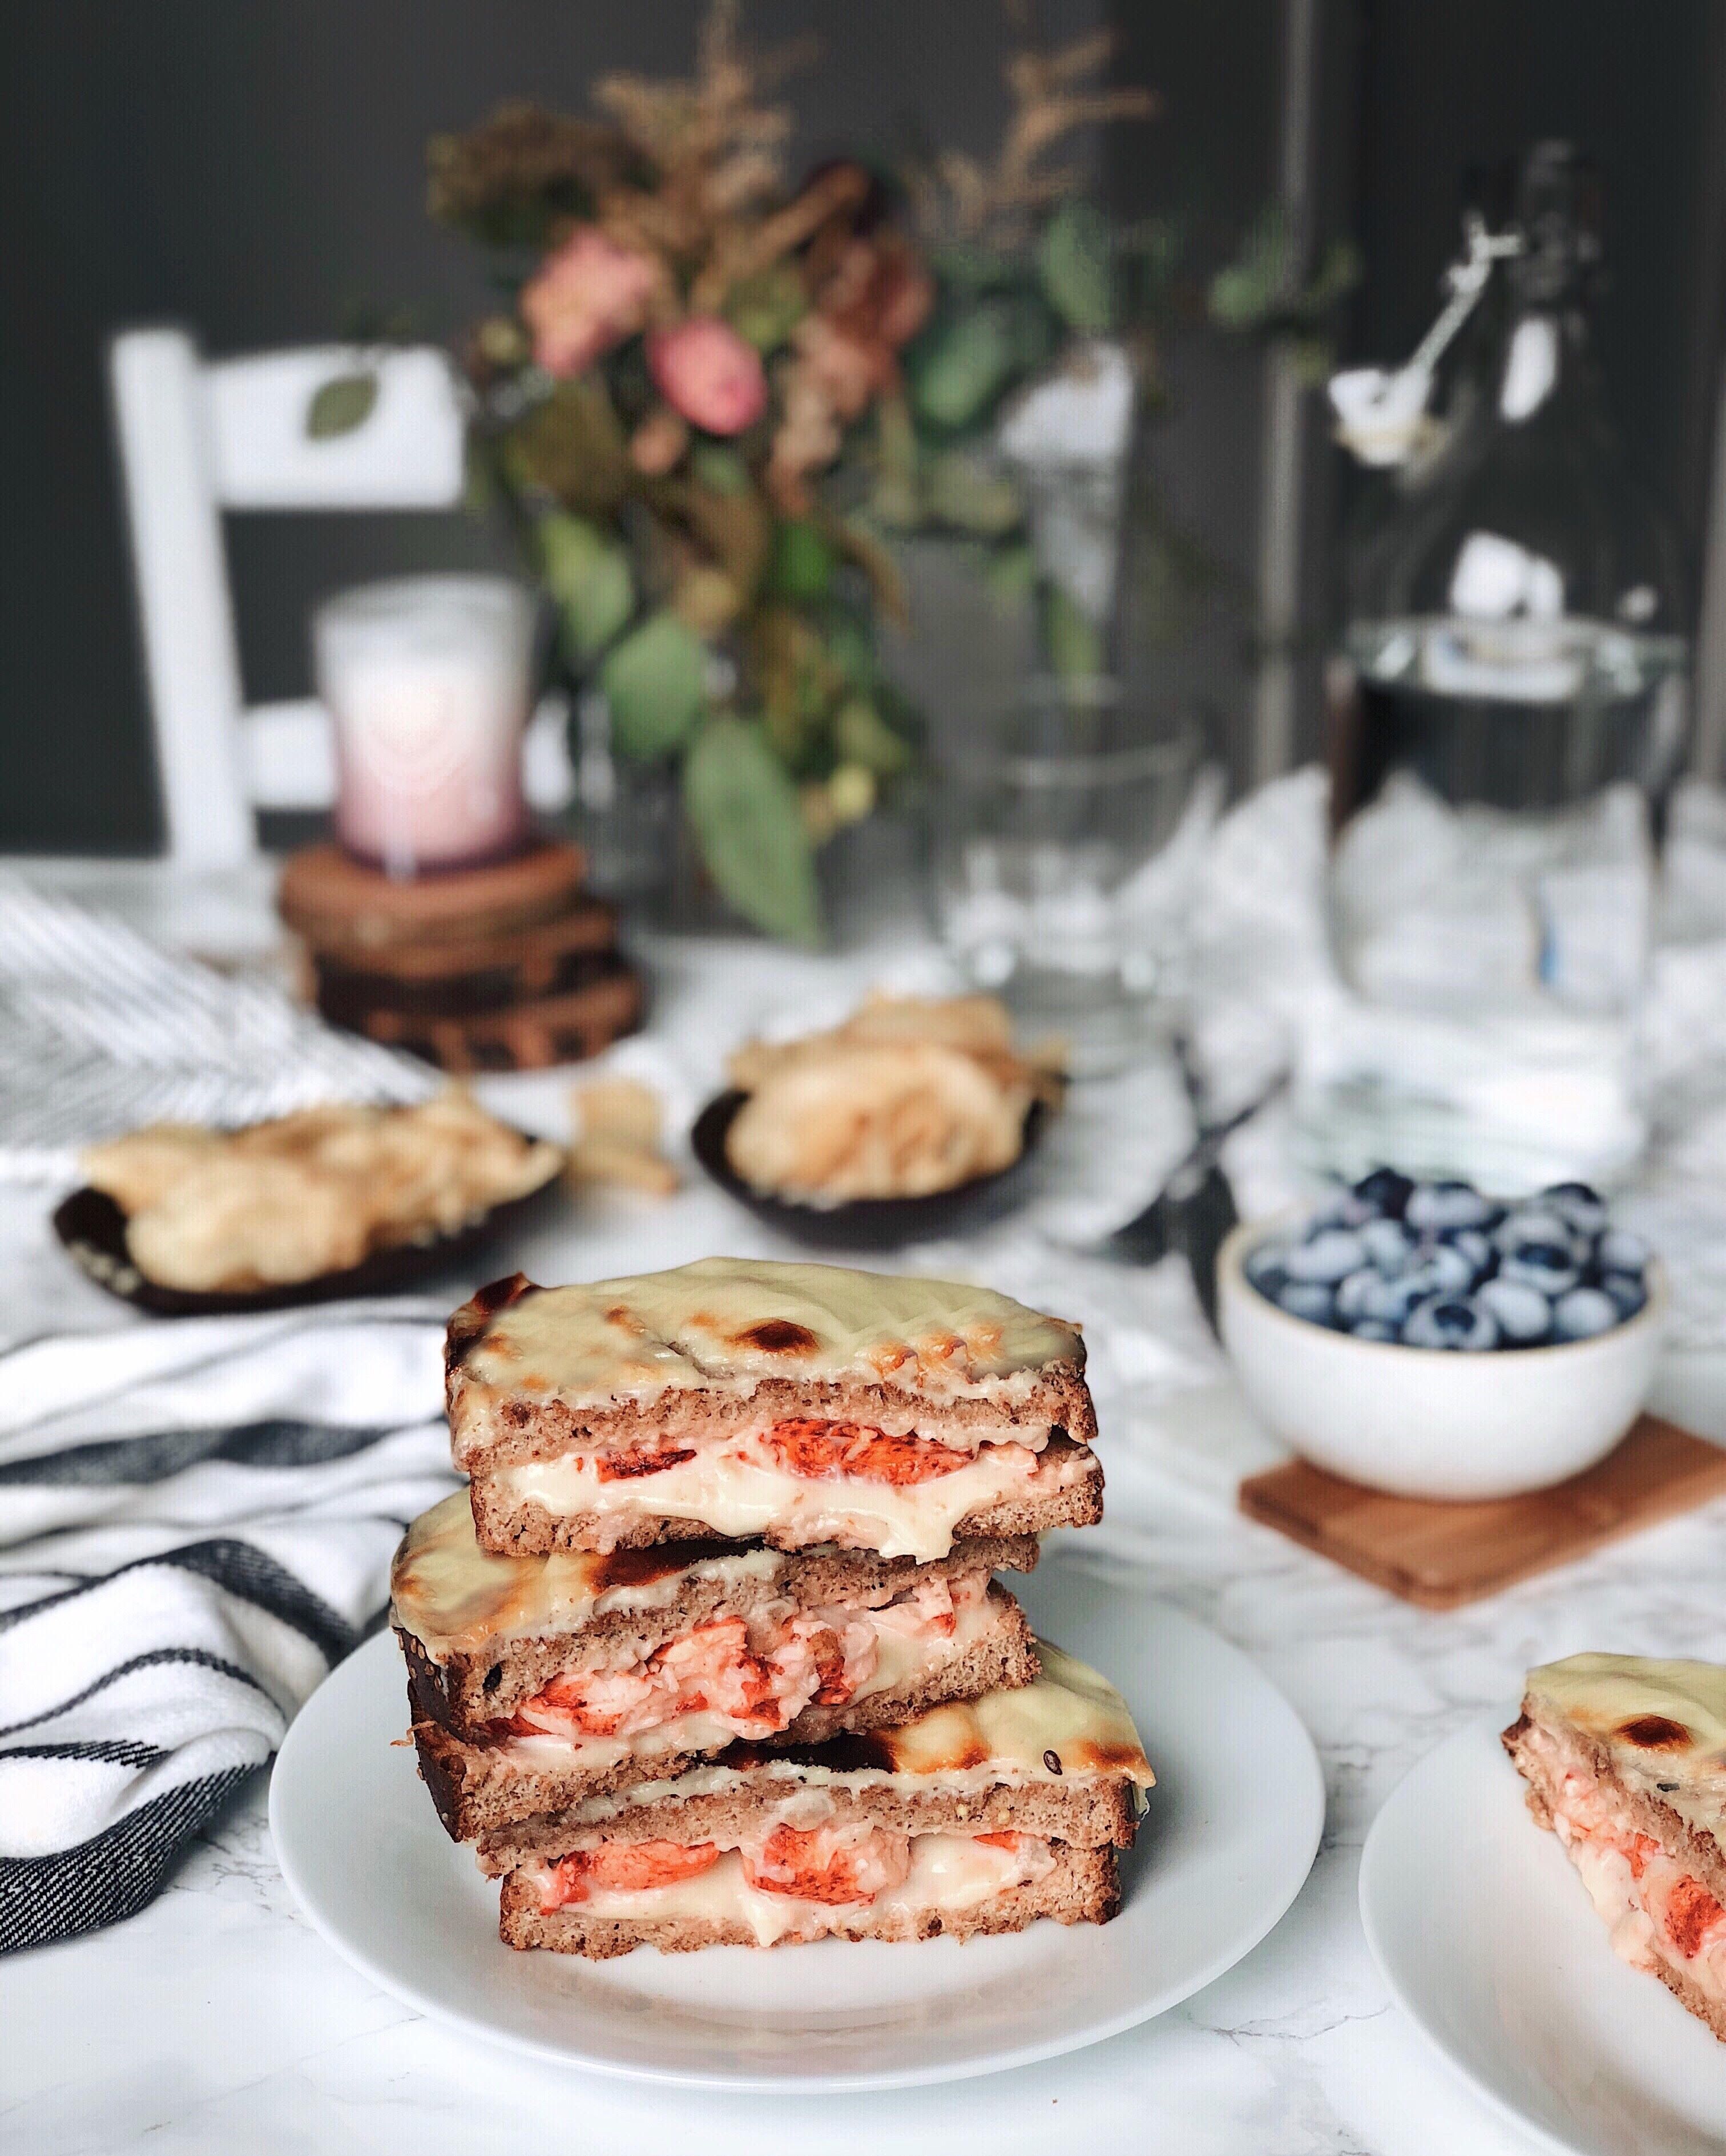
(197, 438)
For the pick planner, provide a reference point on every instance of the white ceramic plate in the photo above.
(1490, 1944)
(1233, 1827)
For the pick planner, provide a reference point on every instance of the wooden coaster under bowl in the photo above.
(1440, 1555)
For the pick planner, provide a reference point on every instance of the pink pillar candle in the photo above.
(427, 681)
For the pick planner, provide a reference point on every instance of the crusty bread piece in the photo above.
(1095, 1813)
(480, 1785)
(527, 1529)
(1083, 1888)
(499, 1421)
(485, 1433)
(466, 1689)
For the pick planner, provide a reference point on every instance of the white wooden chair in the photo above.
(198, 438)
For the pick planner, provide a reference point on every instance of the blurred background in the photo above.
(257, 175)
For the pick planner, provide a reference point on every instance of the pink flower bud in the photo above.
(705, 370)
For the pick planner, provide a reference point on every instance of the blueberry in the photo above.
(1441, 1269)
(1388, 1302)
(1328, 1256)
(1352, 1293)
(1267, 1264)
(1523, 1315)
(1388, 1243)
(1534, 1224)
(1373, 1328)
(1309, 1300)
(1458, 1323)
(1474, 1246)
(1585, 1209)
(1621, 1252)
(1385, 1191)
(1626, 1291)
(1435, 1205)
(1548, 1266)
(1583, 1313)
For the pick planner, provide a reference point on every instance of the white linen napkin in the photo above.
(196, 1524)
(101, 1030)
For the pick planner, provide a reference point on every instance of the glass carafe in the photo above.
(1509, 716)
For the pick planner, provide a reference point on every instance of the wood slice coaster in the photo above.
(344, 908)
(526, 1036)
(1440, 1555)
(484, 972)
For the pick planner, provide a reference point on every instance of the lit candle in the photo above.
(427, 680)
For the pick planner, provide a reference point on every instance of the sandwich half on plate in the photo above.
(1625, 1762)
(968, 1819)
(534, 1682)
(795, 1403)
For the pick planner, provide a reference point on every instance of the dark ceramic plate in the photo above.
(93, 1228)
(869, 1223)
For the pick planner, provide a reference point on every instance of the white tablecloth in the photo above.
(218, 2020)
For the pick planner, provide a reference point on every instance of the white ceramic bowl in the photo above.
(1427, 1422)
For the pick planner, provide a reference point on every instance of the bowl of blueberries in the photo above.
(1425, 1338)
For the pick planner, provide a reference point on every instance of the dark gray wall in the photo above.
(255, 170)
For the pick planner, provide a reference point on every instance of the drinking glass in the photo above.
(427, 681)
(1048, 821)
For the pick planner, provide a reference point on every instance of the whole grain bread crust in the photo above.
(477, 1786)
(1083, 1888)
(1695, 1849)
(466, 1689)
(528, 1530)
(1097, 1813)
(488, 1428)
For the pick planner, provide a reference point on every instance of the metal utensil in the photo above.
(1194, 1210)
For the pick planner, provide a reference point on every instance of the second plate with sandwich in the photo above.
(1233, 1825)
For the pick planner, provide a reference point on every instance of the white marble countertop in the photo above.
(218, 2020)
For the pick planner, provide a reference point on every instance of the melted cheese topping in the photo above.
(1663, 1724)
(1070, 1725)
(735, 1489)
(729, 1322)
(898, 1651)
(456, 1597)
(950, 1872)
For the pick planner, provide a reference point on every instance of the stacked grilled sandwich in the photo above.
(711, 1650)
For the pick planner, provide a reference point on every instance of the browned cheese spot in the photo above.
(1104, 1759)
(1655, 1732)
(621, 1314)
(778, 1336)
(640, 1567)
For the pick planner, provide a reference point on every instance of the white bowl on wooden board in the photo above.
(1429, 1422)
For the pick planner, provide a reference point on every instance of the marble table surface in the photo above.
(218, 2020)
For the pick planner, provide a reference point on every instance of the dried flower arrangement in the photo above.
(713, 392)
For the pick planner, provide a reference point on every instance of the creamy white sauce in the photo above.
(731, 1490)
(950, 1872)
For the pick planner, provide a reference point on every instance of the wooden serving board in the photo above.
(1440, 1555)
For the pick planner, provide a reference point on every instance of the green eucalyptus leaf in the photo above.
(587, 574)
(861, 735)
(965, 365)
(655, 683)
(747, 820)
(341, 404)
(764, 308)
(721, 469)
(803, 562)
(1074, 261)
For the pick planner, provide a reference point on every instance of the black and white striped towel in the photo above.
(196, 1523)
(101, 1030)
